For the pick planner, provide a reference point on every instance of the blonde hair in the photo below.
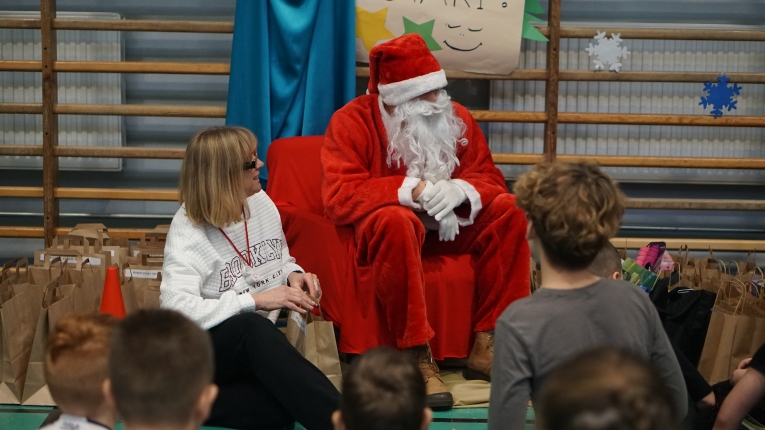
(76, 362)
(574, 208)
(212, 179)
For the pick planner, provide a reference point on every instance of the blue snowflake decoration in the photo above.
(720, 95)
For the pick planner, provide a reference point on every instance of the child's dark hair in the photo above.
(607, 262)
(159, 364)
(604, 389)
(383, 390)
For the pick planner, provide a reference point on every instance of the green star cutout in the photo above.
(425, 30)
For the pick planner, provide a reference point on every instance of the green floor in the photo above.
(30, 417)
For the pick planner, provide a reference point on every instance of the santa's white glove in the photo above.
(448, 227)
(441, 199)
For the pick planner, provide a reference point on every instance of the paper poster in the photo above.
(482, 36)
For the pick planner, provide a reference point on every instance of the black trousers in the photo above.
(264, 381)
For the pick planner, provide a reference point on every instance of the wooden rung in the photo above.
(143, 25)
(696, 204)
(119, 152)
(32, 192)
(26, 23)
(141, 110)
(116, 194)
(663, 34)
(22, 232)
(21, 108)
(22, 150)
(20, 66)
(679, 162)
(693, 244)
(660, 119)
(517, 74)
(629, 76)
(141, 67)
(509, 116)
(516, 159)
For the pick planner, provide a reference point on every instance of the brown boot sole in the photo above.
(439, 401)
(472, 374)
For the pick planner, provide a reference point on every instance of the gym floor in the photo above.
(14, 417)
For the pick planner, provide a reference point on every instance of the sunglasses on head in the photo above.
(250, 165)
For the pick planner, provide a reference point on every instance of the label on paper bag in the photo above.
(142, 273)
(299, 320)
(67, 260)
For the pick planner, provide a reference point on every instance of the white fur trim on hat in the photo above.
(396, 93)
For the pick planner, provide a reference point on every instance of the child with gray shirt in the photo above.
(573, 210)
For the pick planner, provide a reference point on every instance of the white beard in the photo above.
(424, 136)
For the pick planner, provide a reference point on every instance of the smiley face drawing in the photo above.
(482, 36)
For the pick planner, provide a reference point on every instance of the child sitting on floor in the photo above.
(573, 210)
(75, 370)
(604, 389)
(383, 390)
(161, 371)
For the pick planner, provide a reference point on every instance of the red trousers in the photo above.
(392, 241)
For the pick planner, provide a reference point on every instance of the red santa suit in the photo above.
(360, 188)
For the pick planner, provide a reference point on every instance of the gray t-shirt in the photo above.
(538, 333)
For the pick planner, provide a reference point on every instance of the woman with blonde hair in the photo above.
(228, 268)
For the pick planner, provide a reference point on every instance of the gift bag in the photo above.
(314, 338)
(732, 335)
(97, 235)
(68, 247)
(146, 279)
(15, 276)
(56, 303)
(128, 290)
(18, 323)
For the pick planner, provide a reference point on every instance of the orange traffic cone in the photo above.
(111, 301)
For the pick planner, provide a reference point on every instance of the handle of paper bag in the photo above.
(65, 253)
(741, 305)
(738, 269)
(18, 263)
(67, 240)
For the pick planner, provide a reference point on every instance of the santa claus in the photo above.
(412, 172)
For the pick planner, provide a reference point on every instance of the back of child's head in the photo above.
(160, 362)
(76, 362)
(382, 390)
(574, 209)
(604, 389)
(607, 262)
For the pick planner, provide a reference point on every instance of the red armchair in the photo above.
(329, 251)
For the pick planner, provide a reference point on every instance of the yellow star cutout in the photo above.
(370, 27)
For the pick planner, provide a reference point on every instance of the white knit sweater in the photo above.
(202, 274)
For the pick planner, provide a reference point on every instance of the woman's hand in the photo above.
(283, 297)
(307, 282)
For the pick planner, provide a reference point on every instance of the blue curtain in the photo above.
(292, 66)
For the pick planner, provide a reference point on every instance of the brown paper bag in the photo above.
(732, 335)
(69, 246)
(56, 304)
(128, 290)
(147, 278)
(96, 235)
(16, 271)
(18, 319)
(314, 338)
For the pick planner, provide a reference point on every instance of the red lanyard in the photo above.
(247, 261)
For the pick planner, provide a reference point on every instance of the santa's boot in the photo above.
(479, 362)
(437, 396)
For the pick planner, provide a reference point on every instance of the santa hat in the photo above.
(402, 69)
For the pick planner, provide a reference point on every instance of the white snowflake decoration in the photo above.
(609, 51)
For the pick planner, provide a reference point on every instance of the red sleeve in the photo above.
(476, 165)
(348, 190)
